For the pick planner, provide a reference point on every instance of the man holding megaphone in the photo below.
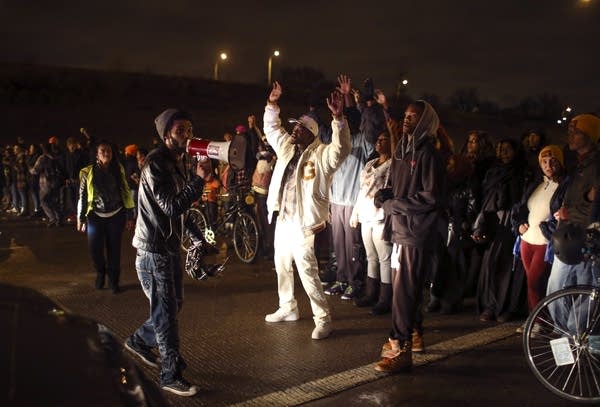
(164, 196)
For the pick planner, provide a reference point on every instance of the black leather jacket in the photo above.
(164, 196)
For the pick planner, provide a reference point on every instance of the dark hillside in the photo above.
(39, 101)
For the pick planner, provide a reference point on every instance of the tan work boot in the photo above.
(397, 359)
(418, 346)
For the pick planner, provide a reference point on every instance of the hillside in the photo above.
(39, 101)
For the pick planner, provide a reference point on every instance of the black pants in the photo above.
(407, 283)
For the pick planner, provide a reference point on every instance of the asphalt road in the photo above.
(238, 359)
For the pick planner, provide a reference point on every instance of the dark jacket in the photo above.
(585, 177)
(417, 185)
(502, 189)
(520, 212)
(164, 196)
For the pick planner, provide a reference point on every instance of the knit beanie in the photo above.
(553, 151)
(588, 124)
(165, 120)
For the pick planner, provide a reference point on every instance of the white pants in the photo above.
(378, 252)
(291, 245)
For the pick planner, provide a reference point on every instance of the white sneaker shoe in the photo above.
(322, 330)
(282, 315)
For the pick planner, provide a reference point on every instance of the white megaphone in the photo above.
(232, 152)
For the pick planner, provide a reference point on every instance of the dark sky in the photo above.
(507, 49)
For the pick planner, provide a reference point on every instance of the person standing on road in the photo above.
(412, 207)
(299, 191)
(104, 210)
(577, 212)
(164, 196)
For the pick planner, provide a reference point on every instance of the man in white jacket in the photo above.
(299, 192)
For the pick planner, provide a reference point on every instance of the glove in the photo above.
(381, 196)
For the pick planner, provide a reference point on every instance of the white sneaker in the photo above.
(322, 330)
(282, 315)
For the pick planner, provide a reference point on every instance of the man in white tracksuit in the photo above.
(299, 192)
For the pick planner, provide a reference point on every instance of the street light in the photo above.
(222, 57)
(270, 65)
(405, 82)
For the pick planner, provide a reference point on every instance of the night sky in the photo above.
(507, 49)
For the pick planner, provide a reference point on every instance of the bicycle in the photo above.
(561, 339)
(235, 222)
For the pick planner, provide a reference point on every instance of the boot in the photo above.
(418, 346)
(370, 296)
(100, 279)
(397, 359)
(383, 305)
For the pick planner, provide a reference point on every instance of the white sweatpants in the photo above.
(291, 245)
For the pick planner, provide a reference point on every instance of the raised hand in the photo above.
(380, 97)
(275, 92)
(335, 103)
(345, 84)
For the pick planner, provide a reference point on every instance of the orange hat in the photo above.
(587, 124)
(53, 140)
(131, 149)
(553, 151)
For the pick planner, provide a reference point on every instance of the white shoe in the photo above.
(322, 330)
(282, 315)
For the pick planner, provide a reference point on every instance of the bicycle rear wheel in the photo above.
(561, 343)
(245, 237)
(198, 217)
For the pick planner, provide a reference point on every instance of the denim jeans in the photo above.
(162, 281)
(106, 233)
(569, 315)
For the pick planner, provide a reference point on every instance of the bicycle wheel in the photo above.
(562, 343)
(245, 237)
(198, 217)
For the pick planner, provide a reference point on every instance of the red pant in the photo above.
(536, 270)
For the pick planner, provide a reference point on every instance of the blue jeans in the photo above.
(106, 233)
(569, 315)
(162, 281)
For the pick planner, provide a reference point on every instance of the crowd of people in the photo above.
(401, 209)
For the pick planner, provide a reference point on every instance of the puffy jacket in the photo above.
(163, 200)
(315, 168)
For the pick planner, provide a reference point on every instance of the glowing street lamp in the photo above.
(405, 82)
(222, 57)
(270, 65)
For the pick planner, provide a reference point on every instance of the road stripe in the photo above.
(339, 382)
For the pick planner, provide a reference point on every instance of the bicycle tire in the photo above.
(200, 219)
(558, 349)
(245, 237)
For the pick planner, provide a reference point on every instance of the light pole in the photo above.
(270, 65)
(222, 57)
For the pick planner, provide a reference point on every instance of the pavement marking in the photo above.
(330, 385)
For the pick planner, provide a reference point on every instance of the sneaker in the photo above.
(336, 288)
(322, 330)
(282, 315)
(145, 355)
(180, 387)
(349, 293)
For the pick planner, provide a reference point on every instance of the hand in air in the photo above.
(275, 92)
